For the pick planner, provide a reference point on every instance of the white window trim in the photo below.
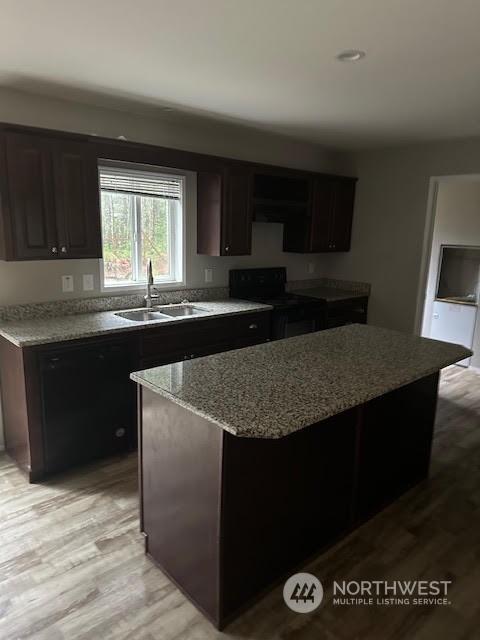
(179, 235)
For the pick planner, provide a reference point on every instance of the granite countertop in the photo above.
(331, 294)
(27, 333)
(273, 389)
(471, 302)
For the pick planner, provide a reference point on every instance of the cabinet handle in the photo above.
(54, 250)
(63, 249)
(120, 432)
(253, 326)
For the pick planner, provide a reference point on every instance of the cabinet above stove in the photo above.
(315, 209)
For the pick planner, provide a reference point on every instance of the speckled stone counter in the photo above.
(274, 389)
(30, 332)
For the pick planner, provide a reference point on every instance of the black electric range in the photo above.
(292, 314)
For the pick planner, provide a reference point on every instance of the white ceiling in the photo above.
(266, 63)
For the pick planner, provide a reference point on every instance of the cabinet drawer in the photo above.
(201, 337)
(255, 326)
(168, 357)
(181, 338)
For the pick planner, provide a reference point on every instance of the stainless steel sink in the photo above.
(180, 310)
(142, 315)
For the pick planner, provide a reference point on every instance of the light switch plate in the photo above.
(88, 282)
(208, 275)
(311, 267)
(67, 284)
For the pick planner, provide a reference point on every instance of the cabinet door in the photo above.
(237, 213)
(30, 190)
(322, 215)
(209, 212)
(341, 226)
(77, 200)
(224, 214)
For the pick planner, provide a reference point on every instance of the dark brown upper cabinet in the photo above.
(49, 199)
(28, 219)
(77, 202)
(224, 212)
(328, 223)
(342, 214)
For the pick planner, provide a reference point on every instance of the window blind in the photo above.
(140, 183)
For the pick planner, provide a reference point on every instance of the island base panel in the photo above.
(395, 441)
(226, 517)
(181, 481)
(283, 500)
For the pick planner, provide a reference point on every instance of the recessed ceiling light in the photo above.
(351, 55)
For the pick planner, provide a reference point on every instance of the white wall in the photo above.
(457, 221)
(41, 281)
(389, 223)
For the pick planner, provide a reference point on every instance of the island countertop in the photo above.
(273, 389)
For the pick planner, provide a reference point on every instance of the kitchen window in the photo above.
(142, 219)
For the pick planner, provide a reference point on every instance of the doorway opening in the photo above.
(449, 294)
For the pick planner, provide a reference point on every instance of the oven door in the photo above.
(290, 323)
(298, 327)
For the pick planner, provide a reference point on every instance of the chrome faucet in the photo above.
(149, 296)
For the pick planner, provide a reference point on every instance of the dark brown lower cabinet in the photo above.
(67, 404)
(71, 403)
(227, 517)
(199, 338)
(342, 312)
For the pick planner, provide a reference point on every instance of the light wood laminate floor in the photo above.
(72, 562)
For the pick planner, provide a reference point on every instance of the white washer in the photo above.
(453, 322)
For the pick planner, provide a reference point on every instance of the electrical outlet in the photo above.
(311, 267)
(67, 284)
(88, 282)
(208, 275)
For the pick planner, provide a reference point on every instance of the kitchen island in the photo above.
(252, 461)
